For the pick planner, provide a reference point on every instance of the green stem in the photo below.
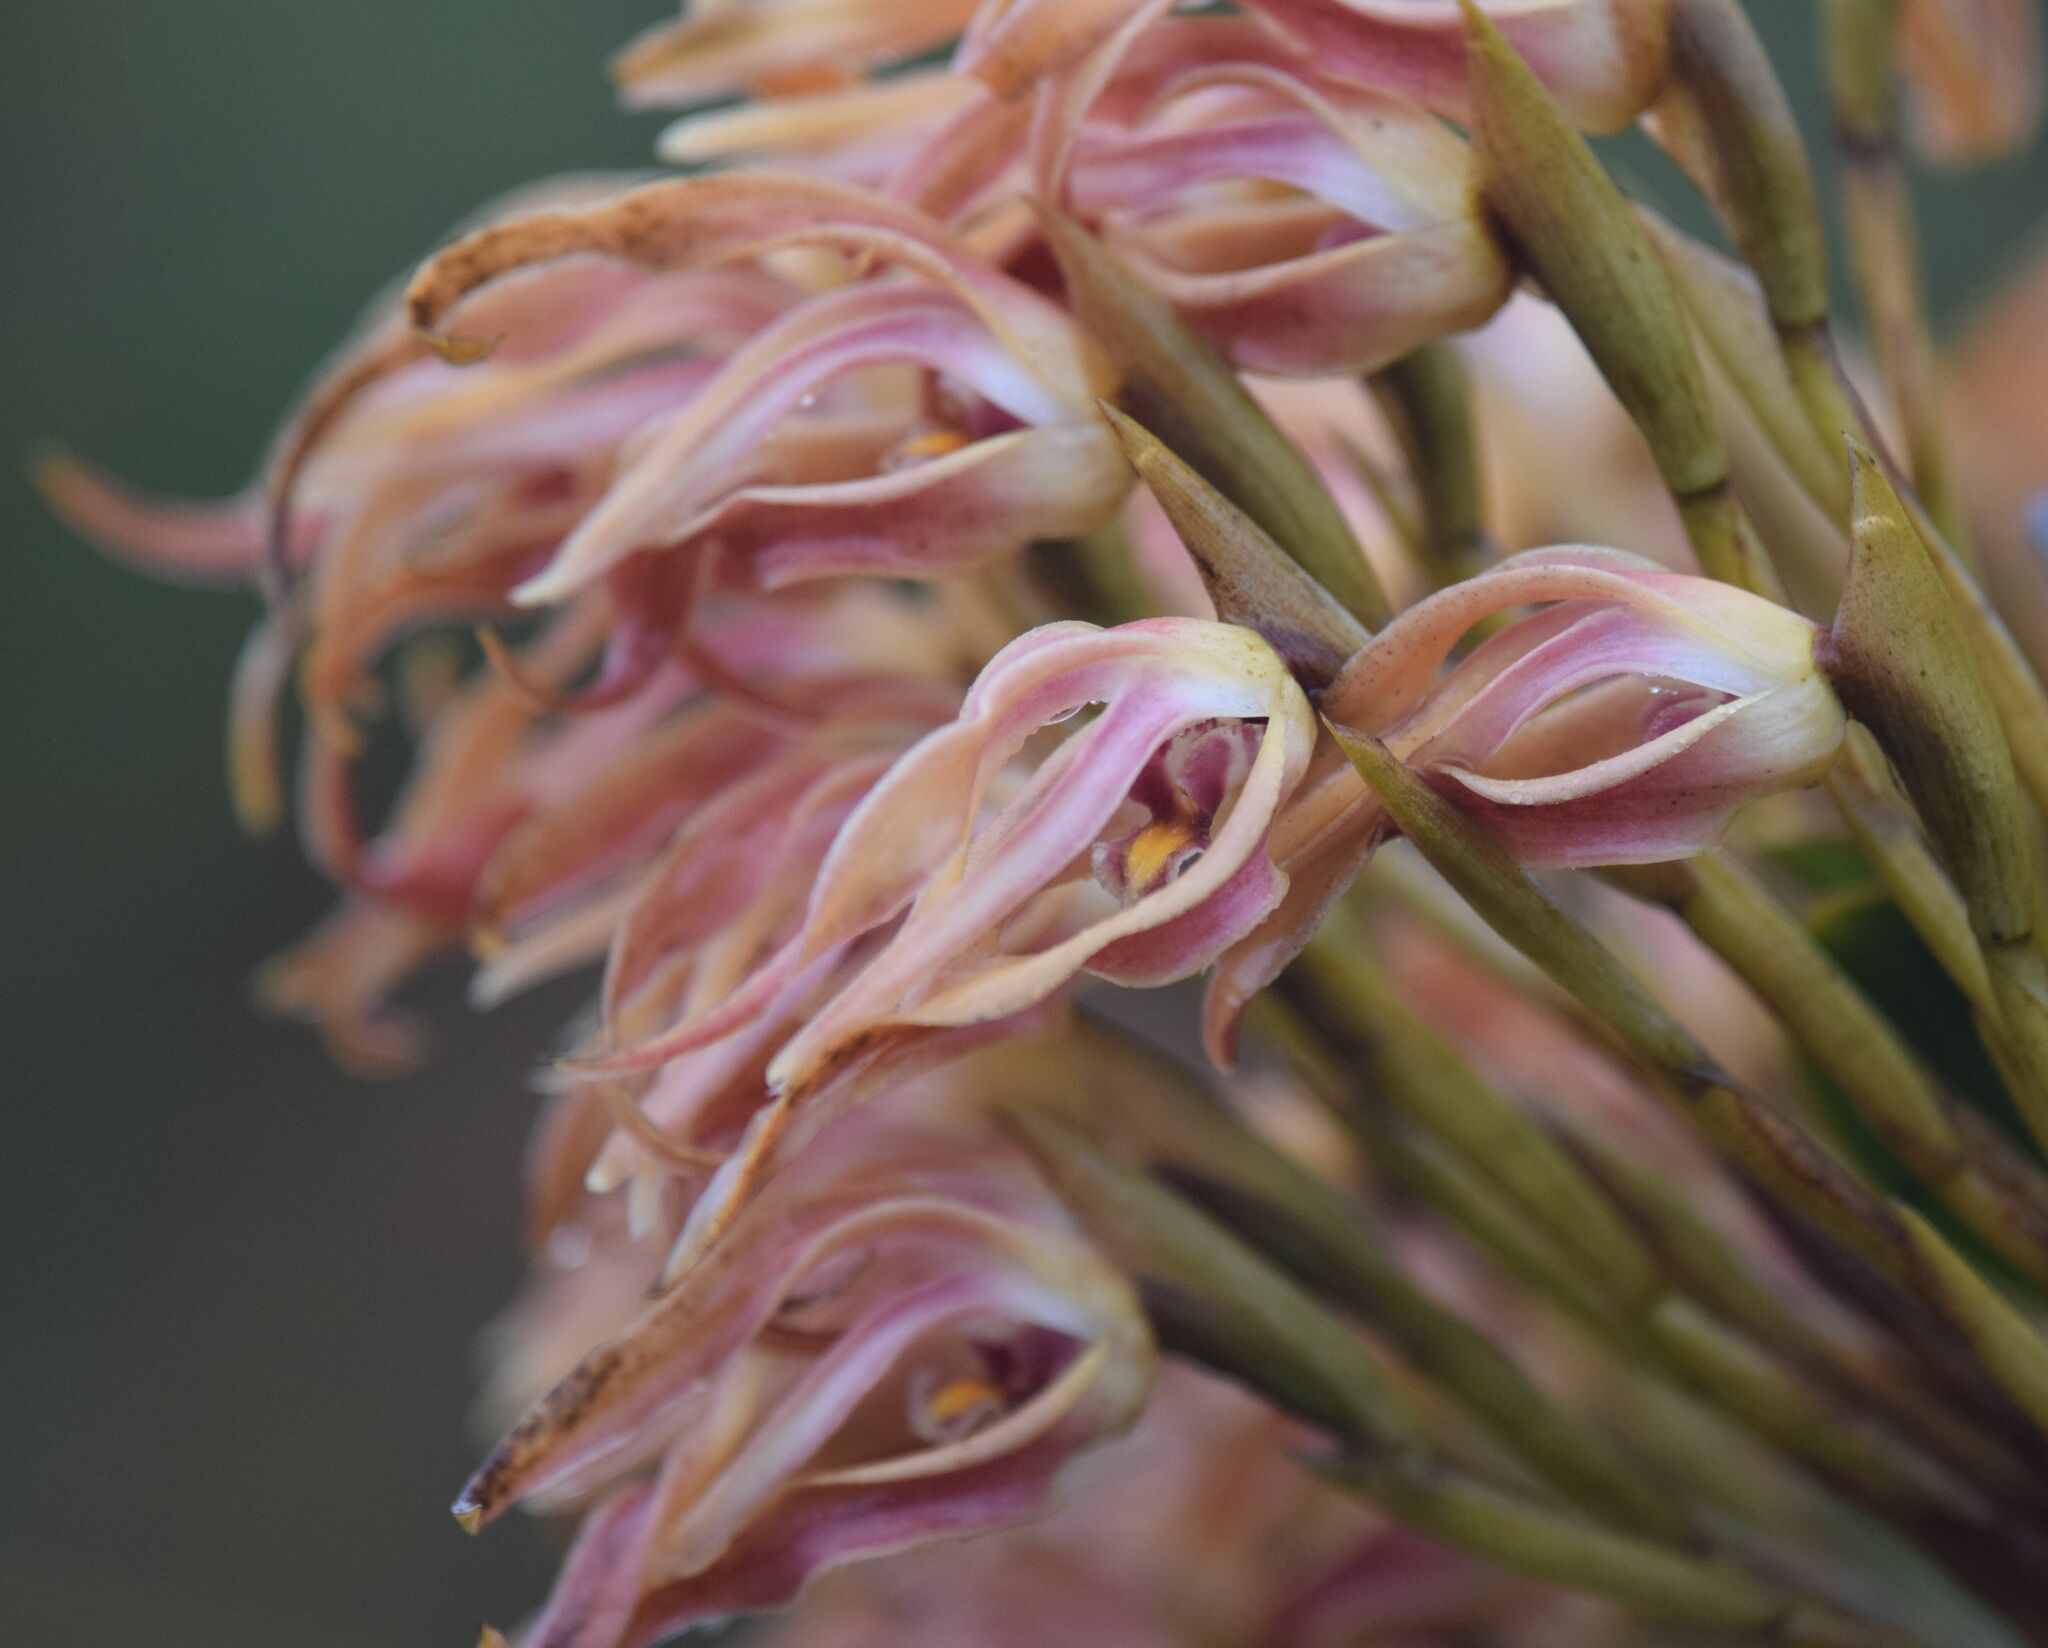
(1883, 251)
(1661, 1584)
(1736, 917)
(1426, 397)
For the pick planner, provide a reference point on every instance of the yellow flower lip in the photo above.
(1152, 851)
(959, 1400)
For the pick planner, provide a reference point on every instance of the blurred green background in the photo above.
(242, 1290)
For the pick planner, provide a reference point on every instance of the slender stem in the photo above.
(1661, 1584)
(1743, 923)
(2005, 1341)
(1426, 397)
(1883, 250)
(1649, 1327)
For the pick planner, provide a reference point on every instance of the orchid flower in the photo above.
(1623, 723)
(993, 439)
(409, 493)
(1135, 851)
(1601, 59)
(898, 1343)
(526, 828)
(1307, 225)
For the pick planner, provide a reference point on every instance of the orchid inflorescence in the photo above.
(1067, 494)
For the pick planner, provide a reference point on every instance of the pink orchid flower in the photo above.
(405, 493)
(1623, 723)
(1135, 852)
(958, 894)
(1602, 59)
(527, 828)
(986, 391)
(1308, 225)
(899, 1342)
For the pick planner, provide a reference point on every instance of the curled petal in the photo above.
(1374, 249)
(1011, 44)
(1668, 797)
(1055, 482)
(1389, 678)
(824, 126)
(214, 542)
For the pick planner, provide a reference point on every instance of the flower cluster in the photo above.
(839, 707)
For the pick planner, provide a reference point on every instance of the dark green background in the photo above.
(242, 1290)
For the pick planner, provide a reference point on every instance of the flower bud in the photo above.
(1305, 226)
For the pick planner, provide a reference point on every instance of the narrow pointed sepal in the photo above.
(1178, 387)
(1902, 659)
(2005, 1342)
(1251, 580)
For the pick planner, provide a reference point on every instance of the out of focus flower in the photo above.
(1623, 723)
(1602, 59)
(2001, 444)
(1973, 76)
(527, 829)
(898, 1342)
(980, 435)
(1309, 223)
